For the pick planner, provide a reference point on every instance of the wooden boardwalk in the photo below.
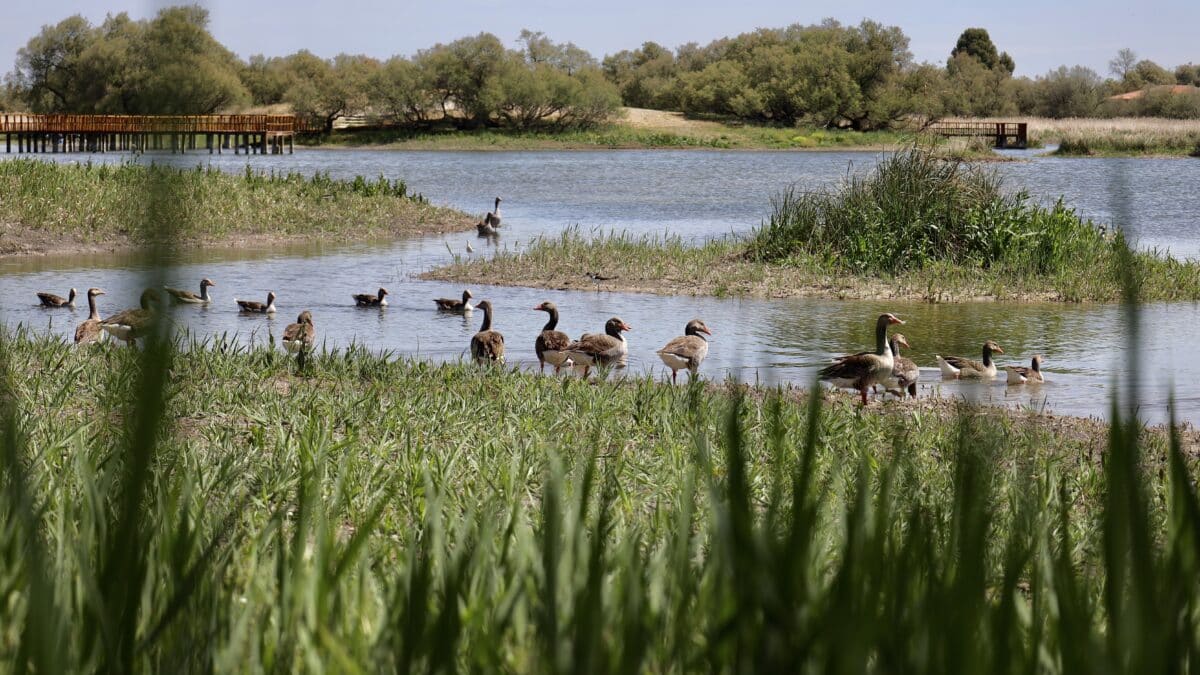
(1004, 134)
(257, 134)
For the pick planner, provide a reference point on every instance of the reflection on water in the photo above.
(694, 194)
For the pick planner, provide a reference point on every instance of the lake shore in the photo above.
(725, 269)
(53, 208)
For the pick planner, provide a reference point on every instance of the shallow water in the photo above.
(698, 195)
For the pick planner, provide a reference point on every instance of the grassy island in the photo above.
(56, 208)
(917, 227)
(221, 508)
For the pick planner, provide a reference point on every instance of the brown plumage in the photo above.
(300, 335)
(551, 345)
(686, 351)
(905, 373)
(182, 297)
(601, 350)
(52, 300)
(372, 299)
(492, 219)
(864, 370)
(132, 324)
(487, 346)
(957, 367)
(90, 330)
(1023, 375)
(258, 307)
(453, 305)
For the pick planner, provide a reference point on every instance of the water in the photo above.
(698, 195)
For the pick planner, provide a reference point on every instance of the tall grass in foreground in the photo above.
(204, 506)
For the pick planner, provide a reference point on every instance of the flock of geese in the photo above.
(863, 372)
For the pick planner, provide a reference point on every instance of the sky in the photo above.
(1040, 35)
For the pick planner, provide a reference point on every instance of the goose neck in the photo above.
(552, 323)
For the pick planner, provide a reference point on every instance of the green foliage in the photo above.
(977, 44)
(915, 209)
(1068, 92)
(1188, 73)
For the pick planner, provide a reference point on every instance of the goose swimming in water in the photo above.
(52, 300)
(253, 307)
(179, 296)
(371, 299)
(601, 349)
(132, 324)
(1023, 375)
(958, 367)
(686, 351)
(453, 305)
(300, 336)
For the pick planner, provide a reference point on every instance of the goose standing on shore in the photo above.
(958, 367)
(132, 324)
(52, 300)
(492, 219)
(182, 297)
(1023, 375)
(905, 373)
(866, 369)
(453, 305)
(551, 345)
(90, 331)
(686, 351)
(258, 307)
(487, 346)
(600, 350)
(300, 336)
(371, 299)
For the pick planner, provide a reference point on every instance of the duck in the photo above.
(371, 299)
(864, 370)
(452, 305)
(686, 351)
(551, 345)
(485, 230)
(182, 297)
(492, 219)
(52, 300)
(132, 324)
(301, 335)
(905, 372)
(600, 350)
(1023, 375)
(957, 367)
(258, 307)
(90, 331)
(487, 346)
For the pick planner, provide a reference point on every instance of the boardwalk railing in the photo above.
(1005, 134)
(98, 133)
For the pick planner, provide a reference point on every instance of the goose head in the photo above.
(305, 317)
(71, 296)
(382, 292)
(886, 320)
(485, 305)
(546, 306)
(990, 347)
(696, 327)
(467, 298)
(205, 283)
(270, 297)
(901, 340)
(1037, 363)
(93, 292)
(615, 326)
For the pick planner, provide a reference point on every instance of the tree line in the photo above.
(828, 74)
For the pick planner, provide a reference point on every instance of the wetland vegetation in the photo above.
(56, 207)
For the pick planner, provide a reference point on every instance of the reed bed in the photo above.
(1115, 136)
(107, 203)
(204, 505)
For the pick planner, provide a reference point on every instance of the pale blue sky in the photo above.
(1039, 35)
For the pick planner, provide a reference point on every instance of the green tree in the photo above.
(977, 43)
(1068, 92)
(400, 90)
(974, 90)
(1188, 73)
(324, 90)
(48, 68)
(1122, 64)
(647, 77)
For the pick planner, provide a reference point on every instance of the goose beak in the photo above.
(999, 350)
(706, 331)
(895, 320)
(625, 326)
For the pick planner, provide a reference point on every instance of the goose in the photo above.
(258, 307)
(686, 351)
(957, 367)
(492, 219)
(470, 248)
(452, 305)
(1023, 375)
(600, 350)
(181, 297)
(300, 335)
(52, 300)
(864, 370)
(905, 372)
(371, 299)
(132, 324)
(551, 345)
(485, 230)
(487, 346)
(90, 331)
